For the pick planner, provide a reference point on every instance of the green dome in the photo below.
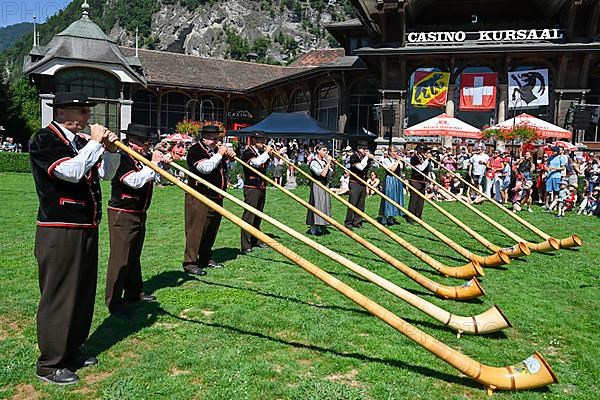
(85, 28)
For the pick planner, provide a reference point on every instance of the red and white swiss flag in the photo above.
(478, 91)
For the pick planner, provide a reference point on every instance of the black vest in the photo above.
(252, 180)
(124, 197)
(416, 174)
(198, 152)
(356, 159)
(62, 203)
(323, 179)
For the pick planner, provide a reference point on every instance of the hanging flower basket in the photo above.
(519, 132)
(193, 128)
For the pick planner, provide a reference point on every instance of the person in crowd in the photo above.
(257, 155)
(458, 189)
(592, 174)
(346, 154)
(522, 195)
(556, 164)
(239, 182)
(208, 159)
(344, 184)
(559, 200)
(373, 182)
(178, 151)
(67, 167)
(525, 165)
(449, 160)
(10, 144)
(127, 213)
(392, 187)
(462, 158)
(542, 174)
(359, 165)
(571, 199)
(477, 166)
(420, 161)
(278, 164)
(506, 181)
(321, 170)
(589, 204)
(493, 175)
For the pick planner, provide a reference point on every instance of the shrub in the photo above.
(14, 162)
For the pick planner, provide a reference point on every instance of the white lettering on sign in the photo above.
(239, 114)
(509, 35)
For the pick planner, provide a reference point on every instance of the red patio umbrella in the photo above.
(544, 129)
(444, 125)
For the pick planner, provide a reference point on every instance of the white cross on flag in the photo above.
(478, 91)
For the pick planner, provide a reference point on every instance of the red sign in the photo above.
(478, 91)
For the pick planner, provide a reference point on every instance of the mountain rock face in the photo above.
(220, 29)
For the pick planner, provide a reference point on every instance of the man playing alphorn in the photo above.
(127, 212)
(209, 158)
(422, 166)
(359, 164)
(67, 167)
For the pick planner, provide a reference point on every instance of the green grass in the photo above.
(262, 328)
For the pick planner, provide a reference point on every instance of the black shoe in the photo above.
(148, 298)
(214, 264)
(392, 222)
(61, 376)
(246, 251)
(262, 246)
(194, 270)
(82, 362)
(122, 314)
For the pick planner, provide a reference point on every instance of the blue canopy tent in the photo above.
(297, 125)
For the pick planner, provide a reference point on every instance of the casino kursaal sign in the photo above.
(499, 36)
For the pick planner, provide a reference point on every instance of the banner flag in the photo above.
(478, 91)
(430, 89)
(528, 89)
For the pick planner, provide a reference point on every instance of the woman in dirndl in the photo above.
(392, 187)
(321, 170)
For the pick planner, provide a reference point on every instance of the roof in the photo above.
(316, 57)
(351, 23)
(183, 70)
(296, 124)
(85, 28)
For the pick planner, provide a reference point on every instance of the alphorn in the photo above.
(489, 321)
(471, 269)
(517, 250)
(470, 289)
(531, 373)
(571, 241)
(548, 245)
(496, 259)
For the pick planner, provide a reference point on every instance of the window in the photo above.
(93, 82)
(301, 101)
(145, 106)
(363, 97)
(279, 104)
(172, 111)
(327, 106)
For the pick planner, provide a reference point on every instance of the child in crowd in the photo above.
(559, 201)
(571, 199)
(589, 204)
(522, 195)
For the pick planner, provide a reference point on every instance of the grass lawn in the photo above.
(263, 328)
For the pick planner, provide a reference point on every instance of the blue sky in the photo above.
(15, 11)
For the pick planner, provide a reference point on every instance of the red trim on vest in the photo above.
(127, 210)
(65, 225)
(53, 166)
(128, 196)
(126, 174)
(65, 200)
(59, 134)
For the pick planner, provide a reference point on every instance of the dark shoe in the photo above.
(262, 246)
(122, 314)
(214, 264)
(148, 298)
(246, 251)
(60, 377)
(194, 270)
(392, 222)
(83, 362)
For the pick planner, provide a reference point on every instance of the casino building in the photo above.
(385, 52)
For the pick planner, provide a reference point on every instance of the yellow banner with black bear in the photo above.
(430, 89)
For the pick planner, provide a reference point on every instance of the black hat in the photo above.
(70, 99)
(210, 129)
(138, 130)
(422, 147)
(257, 134)
(362, 143)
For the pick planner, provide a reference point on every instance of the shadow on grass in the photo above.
(356, 356)
(112, 330)
(225, 254)
(285, 298)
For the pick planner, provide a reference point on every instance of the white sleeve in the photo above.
(72, 170)
(316, 168)
(139, 178)
(363, 164)
(258, 161)
(423, 165)
(109, 165)
(208, 165)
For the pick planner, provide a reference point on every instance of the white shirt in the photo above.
(139, 178)
(363, 164)
(317, 166)
(210, 164)
(478, 168)
(258, 161)
(388, 162)
(72, 170)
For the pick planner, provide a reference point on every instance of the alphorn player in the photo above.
(392, 187)
(257, 154)
(321, 170)
(359, 164)
(67, 167)
(127, 213)
(420, 160)
(209, 158)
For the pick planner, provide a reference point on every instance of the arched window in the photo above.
(363, 97)
(327, 106)
(93, 82)
(279, 104)
(301, 101)
(172, 110)
(145, 106)
(241, 111)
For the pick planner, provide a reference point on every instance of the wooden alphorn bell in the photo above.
(531, 373)
(489, 321)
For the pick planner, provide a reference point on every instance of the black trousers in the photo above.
(124, 276)
(416, 203)
(68, 273)
(357, 196)
(255, 198)
(201, 228)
